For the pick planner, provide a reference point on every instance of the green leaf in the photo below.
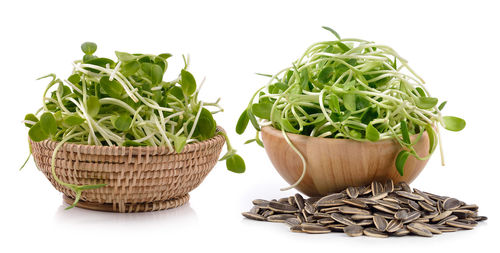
(235, 164)
(453, 123)
(188, 83)
(441, 106)
(179, 143)
(165, 56)
(426, 102)
(288, 127)
(405, 133)
(421, 92)
(122, 123)
(332, 31)
(262, 110)
(401, 161)
(253, 120)
(73, 120)
(432, 138)
(125, 57)
(154, 71)
(304, 79)
(350, 102)
(48, 123)
(88, 48)
(343, 46)
(93, 106)
(112, 88)
(176, 91)
(372, 133)
(130, 68)
(30, 117)
(325, 75)
(36, 133)
(129, 143)
(206, 126)
(102, 62)
(242, 122)
(88, 57)
(333, 103)
(249, 141)
(74, 79)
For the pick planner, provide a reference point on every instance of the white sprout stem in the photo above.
(195, 123)
(304, 163)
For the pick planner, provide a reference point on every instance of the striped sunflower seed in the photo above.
(409, 195)
(451, 203)
(394, 225)
(373, 232)
(353, 230)
(253, 216)
(418, 230)
(352, 192)
(380, 223)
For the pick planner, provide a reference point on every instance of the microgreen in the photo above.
(125, 103)
(350, 89)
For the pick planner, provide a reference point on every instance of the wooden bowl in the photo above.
(334, 164)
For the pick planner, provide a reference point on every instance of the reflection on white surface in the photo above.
(170, 217)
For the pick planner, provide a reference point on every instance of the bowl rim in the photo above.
(137, 150)
(274, 131)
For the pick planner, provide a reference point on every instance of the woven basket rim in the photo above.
(120, 150)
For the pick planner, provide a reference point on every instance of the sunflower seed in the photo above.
(253, 216)
(449, 218)
(352, 192)
(378, 196)
(404, 186)
(426, 198)
(377, 188)
(299, 201)
(355, 202)
(282, 208)
(329, 199)
(373, 232)
(342, 219)
(441, 216)
(365, 222)
(427, 207)
(389, 186)
(411, 217)
(378, 209)
(261, 203)
(443, 228)
(380, 223)
(384, 209)
(401, 215)
(451, 203)
(353, 230)
(293, 221)
(279, 217)
(409, 195)
(353, 210)
(394, 225)
(389, 204)
(413, 205)
(314, 229)
(361, 217)
(459, 224)
(255, 209)
(418, 230)
(402, 232)
(309, 208)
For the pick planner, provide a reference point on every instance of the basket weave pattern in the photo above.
(137, 179)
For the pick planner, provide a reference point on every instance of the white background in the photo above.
(453, 45)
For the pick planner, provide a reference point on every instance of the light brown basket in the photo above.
(138, 179)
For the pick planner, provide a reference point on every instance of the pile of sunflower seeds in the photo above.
(377, 210)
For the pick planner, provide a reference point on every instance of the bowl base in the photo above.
(130, 207)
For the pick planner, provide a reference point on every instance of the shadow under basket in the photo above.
(138, 179)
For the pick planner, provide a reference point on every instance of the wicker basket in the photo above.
(138, 179)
